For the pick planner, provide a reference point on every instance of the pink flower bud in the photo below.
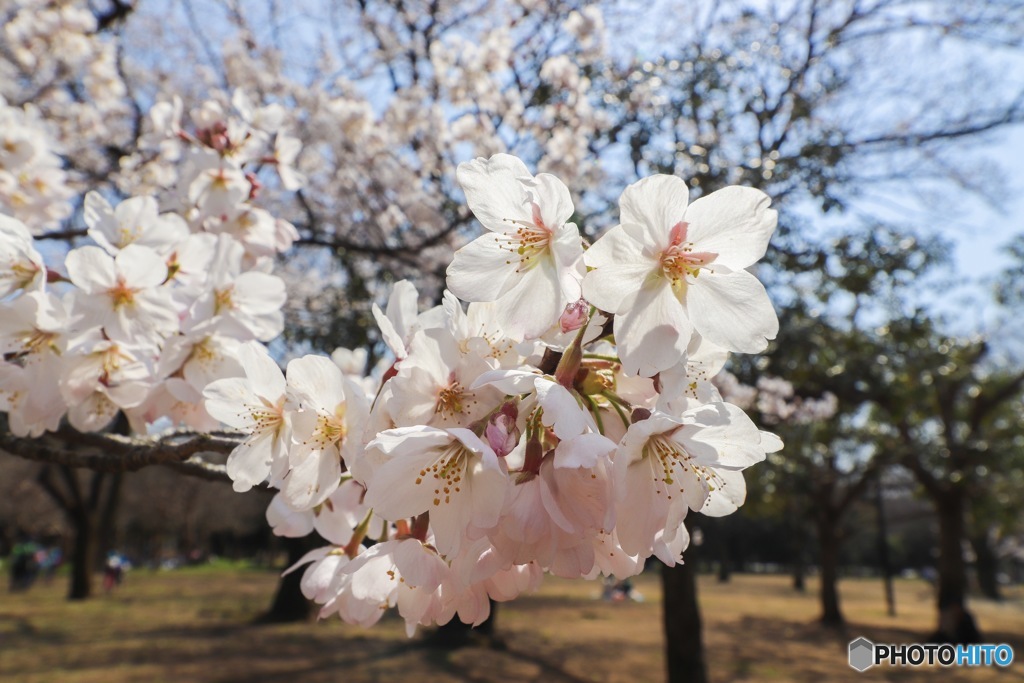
(501, 432)
(575, 316)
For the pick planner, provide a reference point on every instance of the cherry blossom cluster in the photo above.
(564, 421)
(33, 184)
(140, 321)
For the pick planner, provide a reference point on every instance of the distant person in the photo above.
(23, 566)
(113, 571)
(51, 562)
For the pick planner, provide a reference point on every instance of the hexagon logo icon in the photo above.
(862, 654)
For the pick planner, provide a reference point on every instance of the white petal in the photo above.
(722, 435)
(734, 222)
(483, 270)
(652, 206)
(553, 199)
(91, 269)
(141, 266)
(732, 309)
(493, 190)
(534, 304)
(249, 464)
(264, 375)
(653, 334)
(613, 288)
(317, 382)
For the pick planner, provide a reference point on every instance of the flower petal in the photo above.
(732, 309)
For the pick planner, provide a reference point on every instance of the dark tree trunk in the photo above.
(883, 550)
(290, 605)
(828, 546)
(800, 574)
(684, 645)
(88, 514)
(84, 554)
(956, 625)
(986, 565)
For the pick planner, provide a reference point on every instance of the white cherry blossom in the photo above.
(529, 260)
(255, 404)
(670, 269)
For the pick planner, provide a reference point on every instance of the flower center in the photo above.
(121, 294)
(528, 241)
(447, 472)
(679, 261)
(450, 398)
(222, 300)
(675, 464)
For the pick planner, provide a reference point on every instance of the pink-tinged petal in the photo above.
(141, 266)
(652, 335)
(317, 580)
(669, 548)
(735, 223)
(641, 511)
(613, 288)
(583, 451)
(534, 304)
(488, 489)
(92, 414)
(732, 309)
(493, 191)
(418, 565)
(91, 269)
(286, 521)
(650, 208)
(553, 201)
(317, 382)
(484, 269)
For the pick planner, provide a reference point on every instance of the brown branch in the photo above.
(114, 453)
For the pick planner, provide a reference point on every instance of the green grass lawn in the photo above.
(198, 626)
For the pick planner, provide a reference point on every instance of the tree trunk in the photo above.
(956, 625)
(883, 550)
(86, 513)
(799, 574)
(84, 553)
(290, 605)
(986, 565)
(828, 545)
(684, 646)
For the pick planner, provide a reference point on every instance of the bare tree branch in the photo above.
(114, 453)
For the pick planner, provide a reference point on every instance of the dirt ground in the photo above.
(198, 626)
